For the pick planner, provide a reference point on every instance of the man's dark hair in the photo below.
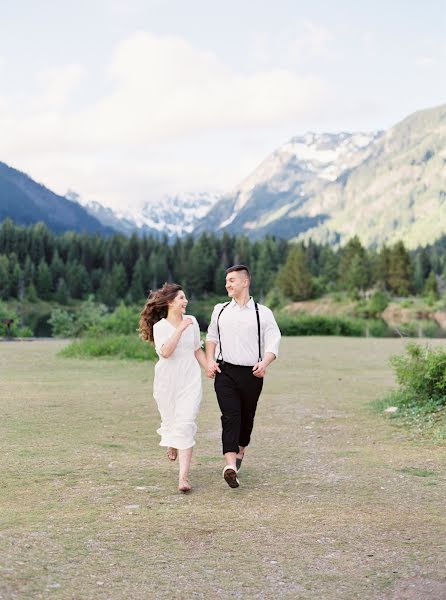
(238, 268)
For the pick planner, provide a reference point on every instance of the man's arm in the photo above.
(211, 344)
(271, 336)
(212, 366)
(259, 369)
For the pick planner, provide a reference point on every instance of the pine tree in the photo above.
(400, 270)
(119, 280)
(430, 289)
(354, 273)
(4, 277)
(294, 279)
(44, 281)
(62, 294)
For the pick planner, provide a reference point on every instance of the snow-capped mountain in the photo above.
(172, 216)
(285, 180)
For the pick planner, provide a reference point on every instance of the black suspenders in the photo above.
(220, 354)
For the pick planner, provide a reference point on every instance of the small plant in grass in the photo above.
(421, 375)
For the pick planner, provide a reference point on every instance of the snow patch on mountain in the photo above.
(304, 160)
(173, 215)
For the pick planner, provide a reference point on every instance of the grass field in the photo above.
(335, 501)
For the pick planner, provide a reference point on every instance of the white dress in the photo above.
(177, 385)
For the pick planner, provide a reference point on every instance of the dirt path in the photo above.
(335, 502)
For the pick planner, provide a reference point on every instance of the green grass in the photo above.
(330, 503)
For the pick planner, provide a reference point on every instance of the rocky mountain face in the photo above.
(27, 202)
(381, 186)
(172, 216)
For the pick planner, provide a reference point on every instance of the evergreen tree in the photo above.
(15, 276)
(57, 268)
(430, 289)
(4, 277)
(137, 287)
(44, 281)
(294, 279)
(62, 294)
(354, 274)
(119, 280)
(422, 268)
(77, 280)
(31, 293)
(400, 270)
(28, 272)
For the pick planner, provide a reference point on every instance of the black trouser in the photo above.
(238, 391)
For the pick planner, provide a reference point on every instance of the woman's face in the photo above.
(179, 303)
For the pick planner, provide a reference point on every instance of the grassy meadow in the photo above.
(336, 501)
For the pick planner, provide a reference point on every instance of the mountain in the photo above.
(381, 186)
(285, 181)
(27, 202)
(172, 216)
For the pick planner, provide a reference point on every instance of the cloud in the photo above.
(313, 41)
(426, 62)
(165, 88)
(58, 84)
(159, 90)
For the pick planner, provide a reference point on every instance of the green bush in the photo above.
(75, 324)
(6, 313)
(421, 375)
(378, 328)
(305, 324)
(114, 346)
(377, 303)
(123, 321)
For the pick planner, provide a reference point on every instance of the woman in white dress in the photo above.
(177, 383)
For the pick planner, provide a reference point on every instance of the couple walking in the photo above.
(242, 340)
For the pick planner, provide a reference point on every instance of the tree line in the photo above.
(36, 263)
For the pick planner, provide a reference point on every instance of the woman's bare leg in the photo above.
(185, 460)
(172, 453)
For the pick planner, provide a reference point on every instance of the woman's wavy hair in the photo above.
(156, 308)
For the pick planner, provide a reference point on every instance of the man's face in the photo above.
(236, 282)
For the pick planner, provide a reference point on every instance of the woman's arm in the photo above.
(201, 357)
(169, 346)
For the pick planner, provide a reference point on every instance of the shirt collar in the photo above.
(249, 304)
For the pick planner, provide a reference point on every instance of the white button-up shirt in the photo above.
(239, 334)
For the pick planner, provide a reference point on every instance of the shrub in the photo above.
(377, 303)
(123, 321)
(113, 346)
(378, 328)
(305, 324)
(421, 375)
(6, 313)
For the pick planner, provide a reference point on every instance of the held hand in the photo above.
(212, 368)
(259, 369)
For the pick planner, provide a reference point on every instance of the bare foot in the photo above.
(184, 486)
(172, 454)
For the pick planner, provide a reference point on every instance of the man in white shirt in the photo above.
(242, 341)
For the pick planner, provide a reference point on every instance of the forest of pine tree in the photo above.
(36, 263)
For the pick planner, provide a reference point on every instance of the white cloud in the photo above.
(58, 84)
(165, 88)
(313, 41)
(426, 62)
(161, 90)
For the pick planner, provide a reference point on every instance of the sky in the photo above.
(125, 102)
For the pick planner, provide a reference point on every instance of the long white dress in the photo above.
(177, 385)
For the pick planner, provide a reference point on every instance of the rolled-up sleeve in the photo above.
(212, 333)
(160, 336)
(271, 333)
